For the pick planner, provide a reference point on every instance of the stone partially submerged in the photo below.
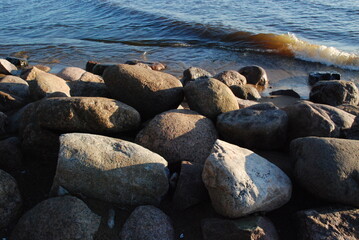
(109, 169)
(241, 182)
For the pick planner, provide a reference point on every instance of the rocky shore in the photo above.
(128, 151)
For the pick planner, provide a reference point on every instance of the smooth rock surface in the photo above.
(328, 168)
(71, 73)
(248, 228)
(45, 84)
(179, 135)
(109, 169)
(310, 119)
(335, 93)
(231, 78)
(147, 223)
(241, 182)
(261, 126)
(10, 199)
(149, 92)
(60, 218)
(210, 97)
(30, 73)
(247, 92)
(329, 224)
(6, 67)
(255, 75)
(87, 114)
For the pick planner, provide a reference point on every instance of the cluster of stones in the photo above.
(128, 136)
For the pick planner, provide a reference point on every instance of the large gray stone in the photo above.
(255, 75)
(241, 182)
(147, 223)
(210, 97)
(15, 86)
(335, 93)
(150, 92)
(179, 135)
(329, 224)
(60, 218)
(261, 126)
(46, 84)
(328, 168)
(87, 114)
(310, 119)
(249, 228)
(10, 200)
(110, 169)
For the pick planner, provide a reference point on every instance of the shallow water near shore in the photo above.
(289, 38)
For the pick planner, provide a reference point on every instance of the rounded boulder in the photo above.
(179, 135)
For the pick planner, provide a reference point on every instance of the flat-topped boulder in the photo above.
(64, 218)
(87, 114)
(241, 182)
(328, 168)
(179, 135)
(335, 92)
(149, 92)
(261, 126)
(109, 169)
(210, 97)
(310, 119)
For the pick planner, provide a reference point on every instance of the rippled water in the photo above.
(289, 38)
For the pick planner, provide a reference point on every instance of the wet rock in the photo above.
(109, 169)
(88, 89)
(193, 74)
(335, 93)
(328, 168)
(7, 67)
(71, 73)
(261, 126)
(315, 77)
(10, 200)
(241, 182)
(10, 154)
(286, 92)
(46, 84)
(247, 92)
(210, 97)
(87, 114)
(147, 223)
(255, 75)
(248, 228)
(190, 189)
(179, 135)
(328, 223)
(14, 86)
(10, 102)
(149, 92)
(62, 218)
(18, 62)
(90, 77)
(231, 78)
(309, 119)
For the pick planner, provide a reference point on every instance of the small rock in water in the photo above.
(314, 77)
